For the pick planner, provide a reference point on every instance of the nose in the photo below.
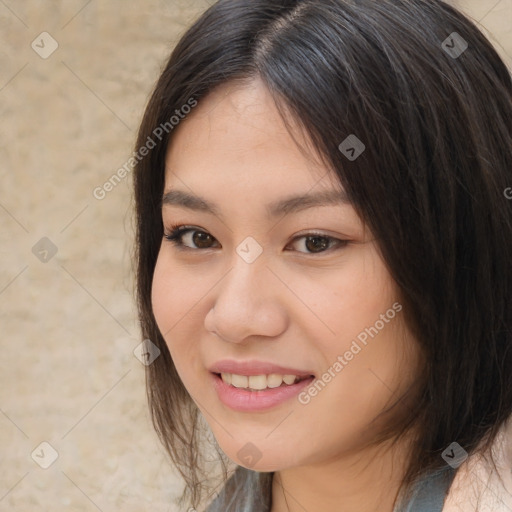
(247, 303)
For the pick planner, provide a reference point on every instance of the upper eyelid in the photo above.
(185, 229)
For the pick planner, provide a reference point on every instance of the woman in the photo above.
(324, 248)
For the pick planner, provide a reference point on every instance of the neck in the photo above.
(363, 481)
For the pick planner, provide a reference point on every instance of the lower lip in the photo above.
(250, 401)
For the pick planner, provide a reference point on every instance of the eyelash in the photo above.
(176, 233)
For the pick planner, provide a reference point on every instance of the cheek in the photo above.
(163, 296)
(360, 308)
(180, 301)
(175, 295)
(171, 300)
(347, 300)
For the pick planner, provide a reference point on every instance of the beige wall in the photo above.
(68, 375)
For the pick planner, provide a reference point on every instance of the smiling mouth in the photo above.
(255, 383)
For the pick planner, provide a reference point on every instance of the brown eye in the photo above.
(317, 243)
(202, 240)
(185, 237)
(314, 244)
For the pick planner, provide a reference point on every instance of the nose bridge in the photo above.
(246, 302)
(246, 288)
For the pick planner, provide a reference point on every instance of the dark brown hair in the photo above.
(437, 127)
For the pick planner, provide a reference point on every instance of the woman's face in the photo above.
(264, 279)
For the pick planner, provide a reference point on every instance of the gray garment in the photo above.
(428, 493)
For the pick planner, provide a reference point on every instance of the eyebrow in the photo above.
(284, 206)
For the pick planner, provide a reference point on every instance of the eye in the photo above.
(190, 237)
(316, 243)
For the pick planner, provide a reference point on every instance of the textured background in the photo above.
(68, 375)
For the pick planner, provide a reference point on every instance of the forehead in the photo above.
(237, 139)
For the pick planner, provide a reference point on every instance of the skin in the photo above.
(293, 306)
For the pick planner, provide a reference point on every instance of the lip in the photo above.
(243, 400)
(255, 367)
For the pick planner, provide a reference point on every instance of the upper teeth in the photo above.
(258, 382)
